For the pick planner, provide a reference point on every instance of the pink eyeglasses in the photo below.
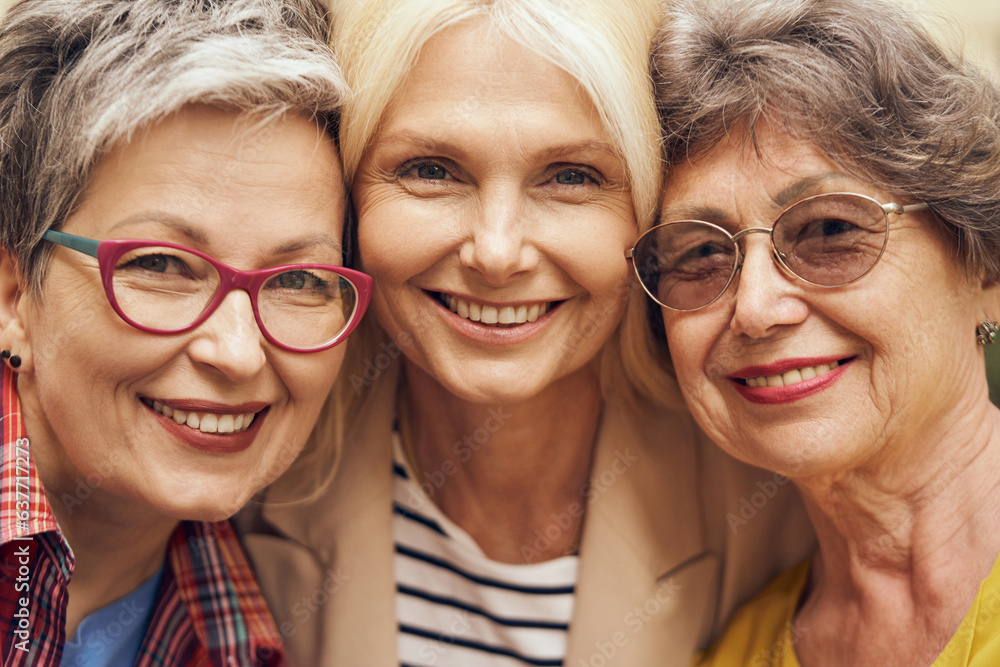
(165, 288)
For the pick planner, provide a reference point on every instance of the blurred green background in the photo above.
(993, 371)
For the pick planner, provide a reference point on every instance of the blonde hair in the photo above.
(603, 44)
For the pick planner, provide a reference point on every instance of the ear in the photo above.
(14, 311)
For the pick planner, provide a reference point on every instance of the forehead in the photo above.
(741, 177)
(472, 78)
(220, 177)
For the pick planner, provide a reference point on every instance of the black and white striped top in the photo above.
(458, 608)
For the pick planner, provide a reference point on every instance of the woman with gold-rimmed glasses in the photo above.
(826, 276)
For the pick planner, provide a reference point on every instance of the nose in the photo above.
(229, 340)
(766, 298)
(498, 246)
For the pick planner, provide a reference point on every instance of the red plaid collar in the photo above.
(209, 608)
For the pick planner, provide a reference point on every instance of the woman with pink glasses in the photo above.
(172, 296)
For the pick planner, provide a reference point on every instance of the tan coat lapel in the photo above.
(349, 534)
(645, 581)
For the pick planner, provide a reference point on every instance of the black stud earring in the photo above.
(11, 359)
(986, 333)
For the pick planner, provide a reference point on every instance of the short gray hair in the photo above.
(79, 76)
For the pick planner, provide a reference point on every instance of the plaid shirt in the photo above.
(208, 609)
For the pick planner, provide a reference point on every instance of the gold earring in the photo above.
(986, 333)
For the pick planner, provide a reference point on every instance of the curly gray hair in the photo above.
(861, 80)
(79, 76)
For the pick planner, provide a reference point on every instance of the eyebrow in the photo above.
(796, 190)
(441, 146)
(306, 242)
(782, 200)
(196, 236)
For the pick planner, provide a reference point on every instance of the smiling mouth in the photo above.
(206, 422)
(504, 316)
(794, 376)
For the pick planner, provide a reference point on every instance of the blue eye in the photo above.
(571, 177)
(431, 172)
(155, 263)
(298, 280)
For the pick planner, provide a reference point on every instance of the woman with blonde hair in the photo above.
(492, 506)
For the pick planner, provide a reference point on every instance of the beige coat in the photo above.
(675, 536)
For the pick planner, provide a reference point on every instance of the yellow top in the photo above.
(761, 633)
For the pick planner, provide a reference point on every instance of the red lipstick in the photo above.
(790, 393)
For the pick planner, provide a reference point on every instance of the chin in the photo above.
(493, 391)
(203, 506)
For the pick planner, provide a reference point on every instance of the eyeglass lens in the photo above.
(829, 240)
(168, 289)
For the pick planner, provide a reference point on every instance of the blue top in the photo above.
(112, 635)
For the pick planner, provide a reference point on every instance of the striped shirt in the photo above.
(208, 609)
(458, 608)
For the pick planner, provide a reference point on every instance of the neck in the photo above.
(506, 473)
(117, 544)
(907, 539)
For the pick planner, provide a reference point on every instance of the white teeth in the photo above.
(209, 424)
(489, 315)
(504, 315)
(205, 422)
(793, 376)
(227, 424)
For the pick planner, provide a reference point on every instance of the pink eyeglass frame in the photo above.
(108, 252)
